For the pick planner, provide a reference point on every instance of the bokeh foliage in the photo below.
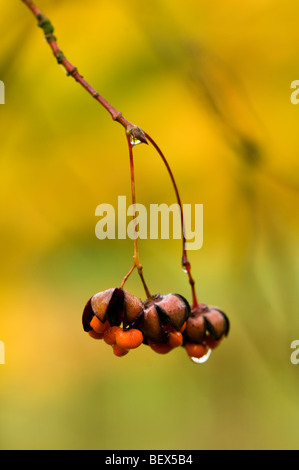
(210, 81)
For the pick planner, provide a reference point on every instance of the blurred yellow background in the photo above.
(210, 82)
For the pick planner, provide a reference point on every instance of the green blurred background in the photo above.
(210, 81)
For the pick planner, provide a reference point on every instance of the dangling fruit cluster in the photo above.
(162, 322)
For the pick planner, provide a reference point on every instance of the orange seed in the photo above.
(196, 350)
(109, 335)
(129, 339)
(212, 343)
(95, 335)
(160, 348)
(175, 339)
(118, 351)
(98, 326)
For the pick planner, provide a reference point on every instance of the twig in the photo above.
(45, 24)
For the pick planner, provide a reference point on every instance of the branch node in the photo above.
(136, 135)
(45, 24)
(50, 37)
(59, 56)
(72, 72)
(117, 116)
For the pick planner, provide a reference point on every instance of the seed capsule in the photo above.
(96, 305)
(195, 328)
(112, 305)
(217, 323)
(206, 320)
(133, 308)
(161, 312)
(107, 303)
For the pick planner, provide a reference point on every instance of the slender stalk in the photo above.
(137, 263)
(185, 261)
(127, 275)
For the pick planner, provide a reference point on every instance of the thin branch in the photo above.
(45, 24)
(127, 275)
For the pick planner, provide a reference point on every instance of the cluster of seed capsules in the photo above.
(163, 322)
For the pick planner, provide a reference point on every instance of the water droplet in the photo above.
(134, 141)
(184, 270)
(201, 360)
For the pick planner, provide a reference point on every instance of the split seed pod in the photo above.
(161, 313)
(205, 320)
(115, 305)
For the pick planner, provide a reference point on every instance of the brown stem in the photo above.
(127, 275)
(72, 71)
(136, 253)
(185, 262)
